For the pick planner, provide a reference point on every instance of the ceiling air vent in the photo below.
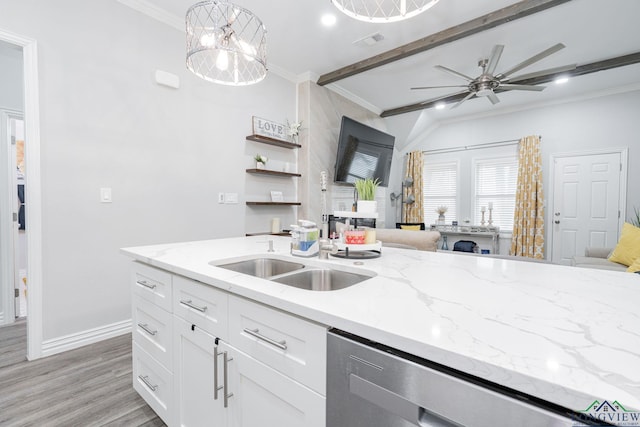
(369, 40)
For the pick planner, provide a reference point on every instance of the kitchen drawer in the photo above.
(201, 305)
(152, 329)
(153, 382)
(152, 284)
(290, 345)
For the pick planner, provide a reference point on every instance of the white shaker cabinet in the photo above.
(261, 396)
(195, 402)
(228, 361)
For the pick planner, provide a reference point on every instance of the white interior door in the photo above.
(586, 204)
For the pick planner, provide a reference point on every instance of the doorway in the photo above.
(14, 246)
(589, 198)
(33, 198)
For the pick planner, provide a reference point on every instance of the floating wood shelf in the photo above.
(274, 203)
(267, 233)
(271, 172)
(273, 141)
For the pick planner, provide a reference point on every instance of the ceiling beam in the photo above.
(483, 23)
(594, 67)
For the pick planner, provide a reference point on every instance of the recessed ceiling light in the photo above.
(440, 105)
(328, 19)
(561, 80)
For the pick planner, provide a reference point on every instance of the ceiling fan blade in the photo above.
(435, 87)
(507, 86)
(457, 104)
(564, 68)
(454, 72)
(495, 57)
(432, 100)
(532, 60)
(493, 98)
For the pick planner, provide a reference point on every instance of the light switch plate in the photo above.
(220, 197)
(105, 195)
(231, 198)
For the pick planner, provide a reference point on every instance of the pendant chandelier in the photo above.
(226, 44)
(383, 10)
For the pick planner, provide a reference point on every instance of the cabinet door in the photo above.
(262, 396)
(194, 364)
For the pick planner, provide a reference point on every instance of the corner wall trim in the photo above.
(90, 336)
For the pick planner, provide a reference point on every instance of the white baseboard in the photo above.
(90, 336)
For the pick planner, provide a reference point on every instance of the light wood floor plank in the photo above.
(89, 386)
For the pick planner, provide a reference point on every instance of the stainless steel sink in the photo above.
(321, 279)
(262, 267)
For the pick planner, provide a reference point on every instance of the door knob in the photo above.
(557, 214)
(556, 221)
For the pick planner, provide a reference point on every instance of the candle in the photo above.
(490, 205)
(483, 209)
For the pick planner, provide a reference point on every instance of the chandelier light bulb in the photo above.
(222, 62)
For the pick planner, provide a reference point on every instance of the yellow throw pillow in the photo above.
(635, 266)
(628, 248)
(410, 227)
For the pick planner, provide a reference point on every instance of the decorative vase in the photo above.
(259, 165)
(441, 219)
(445, 246)
(367, 206)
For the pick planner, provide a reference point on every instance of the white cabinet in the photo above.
(204, 357)
(261, 396)
(151, 338)
(291, 345)
(195, 379)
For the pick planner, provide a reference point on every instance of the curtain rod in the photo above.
(475, 147)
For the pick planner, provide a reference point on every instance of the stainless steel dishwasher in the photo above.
(370, 385)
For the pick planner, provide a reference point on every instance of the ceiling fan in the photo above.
(488, 82)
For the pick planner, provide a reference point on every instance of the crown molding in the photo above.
(155, 12)
(354, 98)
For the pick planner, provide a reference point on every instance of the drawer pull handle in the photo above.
(145, 284)
(145, 380)
(256, 333)
(145, 328)
(225, 382)
(216, 388)
(190, 304)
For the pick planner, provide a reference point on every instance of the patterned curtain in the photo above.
(528, 223)
(414, 212)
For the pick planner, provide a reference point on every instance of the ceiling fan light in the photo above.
(561, 80)
(440, 105)
(382, 11)
(226, 44)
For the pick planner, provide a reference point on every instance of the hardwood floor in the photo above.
(89, 386)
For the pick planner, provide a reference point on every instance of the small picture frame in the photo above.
(276, 196)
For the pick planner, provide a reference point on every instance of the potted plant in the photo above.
(366, 189)
(260, 161)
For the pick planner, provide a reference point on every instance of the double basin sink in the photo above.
(295, 274)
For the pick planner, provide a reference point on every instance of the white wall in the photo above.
(11, 77)
(105, 123)
(588, 124)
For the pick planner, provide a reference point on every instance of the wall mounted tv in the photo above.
(363, 152)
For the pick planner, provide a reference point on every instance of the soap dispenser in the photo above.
(304, 239)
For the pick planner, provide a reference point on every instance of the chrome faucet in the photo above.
(326, 247)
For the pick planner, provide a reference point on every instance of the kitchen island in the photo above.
(565, 335)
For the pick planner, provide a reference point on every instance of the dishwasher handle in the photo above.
(394, 403)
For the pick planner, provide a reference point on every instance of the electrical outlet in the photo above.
(220, 197)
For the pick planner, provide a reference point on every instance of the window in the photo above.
(440, 184)
(495, 183)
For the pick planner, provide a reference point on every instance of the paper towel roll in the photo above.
(275, 225)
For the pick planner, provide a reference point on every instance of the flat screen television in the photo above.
(363, 152)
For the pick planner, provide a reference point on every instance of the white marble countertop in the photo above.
(564, 334)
